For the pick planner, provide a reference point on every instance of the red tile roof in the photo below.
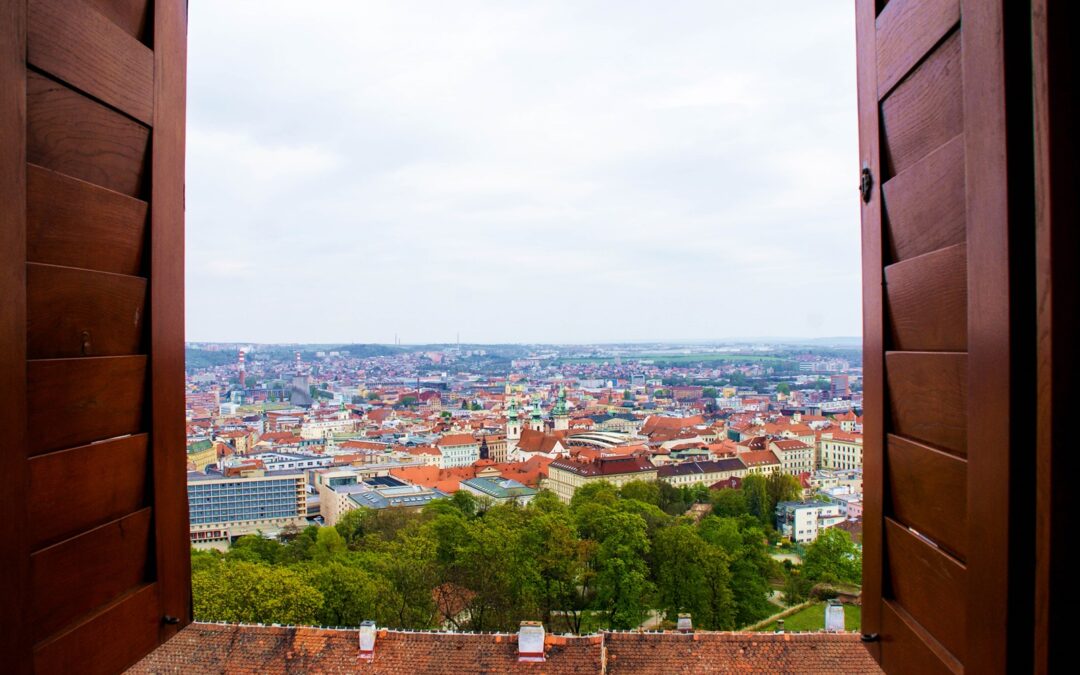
(803, 653)
(220, 648)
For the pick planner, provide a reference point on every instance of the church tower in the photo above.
(513, 424)
(560, 413)
(536, 419)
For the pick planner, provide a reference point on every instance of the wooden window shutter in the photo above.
(945, 145)
(95, 566)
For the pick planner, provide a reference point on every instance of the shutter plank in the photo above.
(73, 312)
(927, 301)
(78, 401)
(77, 44)
(107, 642)
(78, 224)
(68, 494)
(928, 492)
(83, 573)
(72, 134)
(129, 15)
(926, 110)
(907, 649)
(927, 393)
(925, 203)
(906, 30)
(929, 584)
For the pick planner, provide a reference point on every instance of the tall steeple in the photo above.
(536, 419)
(513, 423)
(560, 413)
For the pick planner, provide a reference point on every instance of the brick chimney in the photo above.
(531, 641)
(685, 625)
(367, 640)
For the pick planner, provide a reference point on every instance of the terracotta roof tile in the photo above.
(221, 648)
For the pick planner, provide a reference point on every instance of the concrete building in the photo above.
(801, 521)
(795, 456)
(458, 450)
(565, 476)
(687, 474)
(343, 490)
(841, 450)
(499, 490)
(223, 507)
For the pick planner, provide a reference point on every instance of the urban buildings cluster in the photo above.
(279, 437)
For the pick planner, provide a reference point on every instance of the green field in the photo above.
(681, 358)
(813, 619)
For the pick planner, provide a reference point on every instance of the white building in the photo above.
(801, 521)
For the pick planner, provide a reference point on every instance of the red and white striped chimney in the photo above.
(243, 369)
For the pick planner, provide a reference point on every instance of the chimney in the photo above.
(779, 625)
(685, 625)
(531, 641)
(367, 640)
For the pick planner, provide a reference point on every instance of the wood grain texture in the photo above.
(77, 401)
(167, 315)
(78, 224)
(72, 134)
(907, 649)
(80, 46)
(83, 573)
(928, 493)
(1057, 209)
(926, 299)
(73, 312)
(106, 642)
(129, 15)
(1001, 330)
(925, 204)
(906, 31)
(926, 110)
(74, 490)
(873, 323)
(930, 585)
(927, 394)
(14, 531)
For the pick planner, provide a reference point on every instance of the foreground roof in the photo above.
(232, 648)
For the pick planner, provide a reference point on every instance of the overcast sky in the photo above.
(534, 171)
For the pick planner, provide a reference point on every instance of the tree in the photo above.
(245, 592)
(350, 594)
(709, 392)
(781, 487)
(622, 576)
(692, 576)
(833, 558)
(783, 388)
(729, 503)
(328, 545)
(643, 491)
(255, 548)
(756, 492)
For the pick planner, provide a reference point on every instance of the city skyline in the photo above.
(547, 174)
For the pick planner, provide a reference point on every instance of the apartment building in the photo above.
(688, 474)
(801, 521)
(841, 450)
(565, 476)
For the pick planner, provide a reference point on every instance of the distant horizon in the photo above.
(690, 342)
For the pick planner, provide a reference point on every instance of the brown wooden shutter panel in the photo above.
(95, 556)
(946, 140)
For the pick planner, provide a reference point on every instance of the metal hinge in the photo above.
(866, 182)
(870, 637)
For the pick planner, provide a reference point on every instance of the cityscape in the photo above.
(476, 487)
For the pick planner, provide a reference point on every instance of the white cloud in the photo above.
(551, 171)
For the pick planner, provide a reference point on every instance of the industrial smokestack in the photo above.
(243, 369)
